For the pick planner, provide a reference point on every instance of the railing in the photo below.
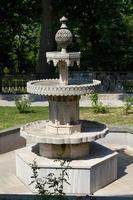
(11, 84)
(128, 85)
(110, 82)
(115, 81)
(16, 84)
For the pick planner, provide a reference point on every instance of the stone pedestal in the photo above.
(62, 129)
(63, 72)
(86, 175)
(64, 110)
(65, 151)
(63, 115)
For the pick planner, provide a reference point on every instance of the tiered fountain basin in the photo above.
(68, 57)
(64, 133)
(71, 146)
(53, 87)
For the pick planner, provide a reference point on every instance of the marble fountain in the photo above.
(93, 166)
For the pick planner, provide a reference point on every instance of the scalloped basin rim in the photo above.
(51, 87)
(90, 131)
(51, 83)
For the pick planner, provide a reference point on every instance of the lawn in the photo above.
(115, 116)
(9, 116)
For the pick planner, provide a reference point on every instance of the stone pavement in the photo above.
(10, 184)
(124, 184)
(113, 100)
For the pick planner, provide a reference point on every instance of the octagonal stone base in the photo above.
(86, 175)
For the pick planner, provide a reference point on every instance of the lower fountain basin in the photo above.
(35, 132)
(73, 146)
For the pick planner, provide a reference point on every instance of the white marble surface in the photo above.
(52, 87)
(86, 175)
(67, 57)
(35, 132)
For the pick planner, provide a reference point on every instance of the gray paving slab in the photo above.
(124, 184)
(9, 183)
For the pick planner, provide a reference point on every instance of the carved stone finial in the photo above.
(63, 36)
(63, 20)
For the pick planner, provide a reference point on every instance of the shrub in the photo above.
(97, 107)
(94, 98)
(23, 104)
(128, 101)
(100, 108)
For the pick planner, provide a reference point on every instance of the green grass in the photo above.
(114, 116)
(9, 116)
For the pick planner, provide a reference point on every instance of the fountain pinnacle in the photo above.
(63, 36)
(63, 59)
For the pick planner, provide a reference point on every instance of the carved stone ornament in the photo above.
(63, 36)
(52, 87)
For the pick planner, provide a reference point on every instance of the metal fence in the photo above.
(110, 81)
(12, 84)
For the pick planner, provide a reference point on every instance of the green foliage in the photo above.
(128, 86)
(51, 185)
(25, 47)
(100, 108)
(19, 34)
(102, 32)
(94, 98)
(23, 104)
(128, 102)
(97, 107)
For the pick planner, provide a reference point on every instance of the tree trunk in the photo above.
(46, 40)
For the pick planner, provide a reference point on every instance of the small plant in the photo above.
(23, 104)
(97, 107)
(100, 108)
(128, 102)
(51, 185)
(94, 99)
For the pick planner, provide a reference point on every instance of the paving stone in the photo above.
(9, 183)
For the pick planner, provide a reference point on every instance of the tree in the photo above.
(18, 34)
(47, 38)
(102, 32)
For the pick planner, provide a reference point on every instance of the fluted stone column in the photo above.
(63, 115)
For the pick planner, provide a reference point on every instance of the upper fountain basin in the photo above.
(53, 87)
(68, 58)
